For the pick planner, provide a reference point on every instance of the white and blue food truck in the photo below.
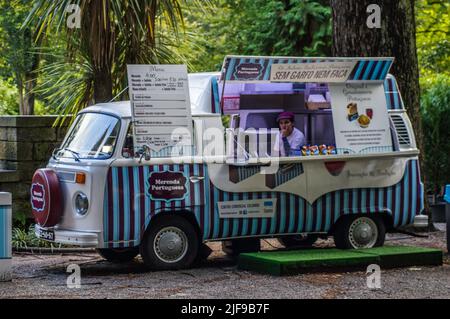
(122, 181)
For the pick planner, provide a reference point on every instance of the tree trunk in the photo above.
(102, 85)
(20, 91)
(395, 38)
(28, 99)
(31, 72)
(97, 36)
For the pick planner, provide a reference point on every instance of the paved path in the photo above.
(44, 276)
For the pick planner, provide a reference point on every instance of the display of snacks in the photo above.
(322, 149)
(331, 150)
(305, 150)
(314, 150)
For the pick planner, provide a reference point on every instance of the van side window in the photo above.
(128, 146)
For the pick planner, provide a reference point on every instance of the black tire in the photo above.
(118, 254)
(235, 247)
(343, 238)
(301, 241)
(172, 230)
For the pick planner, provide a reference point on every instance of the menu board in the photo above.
(160, 105)
(360, 117)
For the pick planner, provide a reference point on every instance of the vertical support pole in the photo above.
(447, 220)
(5, 237)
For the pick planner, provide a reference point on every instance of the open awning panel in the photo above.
(302, 69)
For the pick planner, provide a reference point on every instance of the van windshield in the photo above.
(93, 136)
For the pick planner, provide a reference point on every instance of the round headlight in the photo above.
(81, 204)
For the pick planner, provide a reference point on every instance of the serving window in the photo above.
(257, 106)
(334, 118)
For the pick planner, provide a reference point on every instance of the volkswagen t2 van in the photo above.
(355, 178)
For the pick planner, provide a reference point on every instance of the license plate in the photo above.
(46, 234)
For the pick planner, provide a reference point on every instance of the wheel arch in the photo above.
(186, 214)
(385, 215)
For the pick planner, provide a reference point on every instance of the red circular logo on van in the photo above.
(46, 200)
(37, 197)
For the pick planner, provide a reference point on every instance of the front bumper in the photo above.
(68, 237)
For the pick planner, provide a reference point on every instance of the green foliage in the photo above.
(19, 57)
(9, 104)
(261, 27)
(433, 39)
(435, 116)
(145, 32)
(25, 238)
(433, 49)
(9, 101)
(20, 219)
(15, 43)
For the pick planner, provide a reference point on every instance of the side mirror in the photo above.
(144, 152)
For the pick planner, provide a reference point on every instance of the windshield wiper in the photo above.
(76, 155)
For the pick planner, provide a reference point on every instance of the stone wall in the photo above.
(26, 143)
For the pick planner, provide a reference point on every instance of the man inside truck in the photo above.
(291, 139)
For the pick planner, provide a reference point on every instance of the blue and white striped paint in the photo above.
(124, 225)
(5, 236)
(374, 69)
(393, 99)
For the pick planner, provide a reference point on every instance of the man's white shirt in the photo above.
(296, 140)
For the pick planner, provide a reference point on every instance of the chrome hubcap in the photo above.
(363, 233)
(170, 244)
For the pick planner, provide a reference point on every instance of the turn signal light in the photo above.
(80, 178)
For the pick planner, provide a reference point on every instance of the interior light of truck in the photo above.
(80, 178)
(81, 204)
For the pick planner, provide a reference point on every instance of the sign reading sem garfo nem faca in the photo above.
(160, 105)
(338, 71)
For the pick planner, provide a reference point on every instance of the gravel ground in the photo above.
(44, 276)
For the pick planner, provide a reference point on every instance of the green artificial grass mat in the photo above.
(402, 256)
(296, 261)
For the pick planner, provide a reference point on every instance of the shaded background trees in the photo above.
(261, 27)
(19, 57)
(68, 69)
(396, 38)
(112, 34)
(433, 48)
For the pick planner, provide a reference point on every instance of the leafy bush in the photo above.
(9, 100)
(25, 238)
(435, 119)
(260, 27)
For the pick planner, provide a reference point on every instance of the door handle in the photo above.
(196, 179)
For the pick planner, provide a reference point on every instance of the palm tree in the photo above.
(113, 33)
